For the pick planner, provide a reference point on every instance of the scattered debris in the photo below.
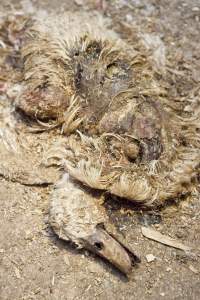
(79, 2)
(150, 258)
(163, 239)
(169, 269)
(27, 7)
(53, 280)
(162, 294)
(193, 269)
(150, 218)
(66, 260)
(17, 273)
(195, 8)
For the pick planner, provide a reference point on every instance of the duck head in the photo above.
(79, 217)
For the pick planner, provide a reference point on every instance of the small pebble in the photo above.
(79, 2)
(17, 273)
(129, 18)
(150, 257)
(195, 8)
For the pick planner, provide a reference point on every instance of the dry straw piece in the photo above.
(163, 239)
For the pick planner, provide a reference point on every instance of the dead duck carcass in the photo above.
(125, 135)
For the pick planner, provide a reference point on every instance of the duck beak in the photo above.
(110, 248)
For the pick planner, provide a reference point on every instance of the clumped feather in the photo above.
(99, 88)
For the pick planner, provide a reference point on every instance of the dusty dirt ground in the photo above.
(34, 264)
